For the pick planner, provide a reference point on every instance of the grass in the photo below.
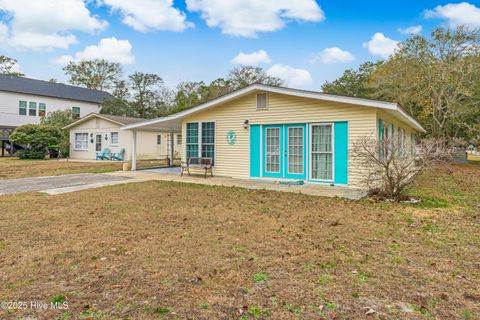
(13, 168)
(176, 251)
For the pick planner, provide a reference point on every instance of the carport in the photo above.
(171, 124)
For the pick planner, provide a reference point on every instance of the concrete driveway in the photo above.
(59, 183)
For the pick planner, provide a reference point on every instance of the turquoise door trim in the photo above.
(265, 172)
(255, 157)
(286, 150)
(341, 152)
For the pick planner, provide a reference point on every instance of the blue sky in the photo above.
(306, 42)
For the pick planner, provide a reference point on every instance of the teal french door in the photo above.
(284, 151)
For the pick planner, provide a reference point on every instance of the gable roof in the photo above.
(120, 120)
(49, 89)
(394, 108)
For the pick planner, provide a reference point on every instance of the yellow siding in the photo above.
(233, 160)
(396, 123)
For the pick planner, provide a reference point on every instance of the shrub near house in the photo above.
(36, 140)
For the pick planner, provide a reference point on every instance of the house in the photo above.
(26, 101)
(95, 132)
(263, 132)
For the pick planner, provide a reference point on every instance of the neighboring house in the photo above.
(264, 132)
(94, 133)
(26, 101)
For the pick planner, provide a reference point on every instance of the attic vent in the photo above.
(262, 101)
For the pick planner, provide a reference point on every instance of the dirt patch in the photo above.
(178, 251)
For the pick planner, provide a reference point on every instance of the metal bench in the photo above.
(203, 163)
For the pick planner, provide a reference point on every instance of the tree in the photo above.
(96, 74)
(353, 82)
(244, 76)
(436, 79)
(390, 166)
(36, 139)
(145, 89)
(120, 104)
(59, 119)
(6, 67)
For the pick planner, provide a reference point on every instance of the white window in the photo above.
(262, 101)
(159, 139)
(81, 141)
(322, 152)
(387, 139)
(402, 142)
(114, 137)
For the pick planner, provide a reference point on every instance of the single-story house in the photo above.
(95, 132)
(264, 132)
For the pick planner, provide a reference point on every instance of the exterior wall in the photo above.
(9, 105)
(233, 160)
(385, 117)
(147, 147)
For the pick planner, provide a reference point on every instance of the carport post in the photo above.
(172, 151)
(134, 150)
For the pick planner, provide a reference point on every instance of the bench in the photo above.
(203, 163)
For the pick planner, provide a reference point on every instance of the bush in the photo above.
(35, 140)
(31, 154)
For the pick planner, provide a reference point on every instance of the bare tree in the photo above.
(390, 166)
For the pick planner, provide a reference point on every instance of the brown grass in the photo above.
(176, 251)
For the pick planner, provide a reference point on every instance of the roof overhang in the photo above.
(175, 120)
(91, 116)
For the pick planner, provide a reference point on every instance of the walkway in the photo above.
(60, 184)
(173, 174)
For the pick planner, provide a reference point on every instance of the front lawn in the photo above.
(178, 251)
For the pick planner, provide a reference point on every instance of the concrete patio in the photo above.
(173, 174)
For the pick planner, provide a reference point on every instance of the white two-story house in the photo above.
(26, 101)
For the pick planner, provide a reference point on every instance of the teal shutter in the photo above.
(255, 150)
(341, 152)
(380, 137)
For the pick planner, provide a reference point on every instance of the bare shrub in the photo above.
(390, 166)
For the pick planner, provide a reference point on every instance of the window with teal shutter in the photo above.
(208, 140)
(192, 140)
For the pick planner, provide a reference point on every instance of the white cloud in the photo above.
(381, 46)
(293, 77)
(411, 30)
(145, 15)
(111, 49)
(246, 17)
(456, 14)
(252, 59)
(333, 55)
(3, 32)
(47, 24)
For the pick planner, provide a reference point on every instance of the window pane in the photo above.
(22, 108)
(32, 109)
(76, 112)
(192, 140)
(81, 141)
(273, 150)
(114, 137)
(208, 140)
(159, 139)
(295, 150)
(179, 139)
(322, 155)
(41, 109)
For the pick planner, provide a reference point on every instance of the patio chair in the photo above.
(104, 155)
(120, 156)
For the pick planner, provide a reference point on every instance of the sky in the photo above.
(304, 42)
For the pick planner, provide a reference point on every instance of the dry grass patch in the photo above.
(178, 251)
